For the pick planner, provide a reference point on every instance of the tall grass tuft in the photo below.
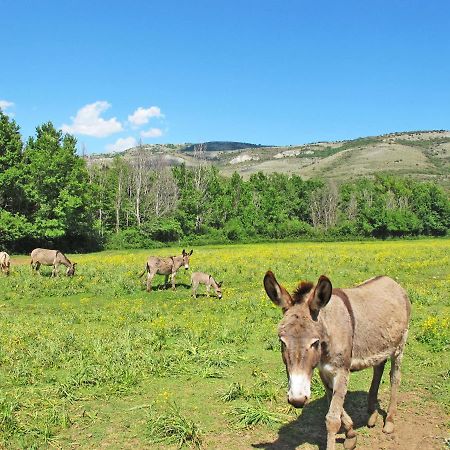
(172, 427)
(234, 391)
(249, 415)
(9, 425)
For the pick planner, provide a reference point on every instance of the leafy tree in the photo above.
(62, 201)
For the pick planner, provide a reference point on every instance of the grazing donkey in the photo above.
(165, 266)
(204, 278)
(43, 256)
(339, 331)
(5, 262)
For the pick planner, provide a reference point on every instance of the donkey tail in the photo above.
(145, 270)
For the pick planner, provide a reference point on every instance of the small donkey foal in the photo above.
(204, 278)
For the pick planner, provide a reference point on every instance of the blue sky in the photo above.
(267, 72)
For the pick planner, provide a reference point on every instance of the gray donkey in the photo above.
(5, 263)
(55, 258)
(204, 278)
(165, 266)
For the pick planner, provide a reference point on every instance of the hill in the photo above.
(421, 154)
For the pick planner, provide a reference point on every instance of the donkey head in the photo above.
(71, 270)
(219, 289)
(300, 332)
(186, 258)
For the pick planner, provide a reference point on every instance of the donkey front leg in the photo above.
(55, 270)
(194, 289)
(347, 422)
(372, 406)
(395, 383)
(335, 412)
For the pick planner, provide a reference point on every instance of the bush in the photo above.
(163, 230)
(234, 230)
(129, 238)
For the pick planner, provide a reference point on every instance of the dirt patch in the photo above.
(416, 429)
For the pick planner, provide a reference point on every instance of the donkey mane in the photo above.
(302, 289)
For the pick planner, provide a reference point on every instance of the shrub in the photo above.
(234, 230)
(128, 239)
(163, 230)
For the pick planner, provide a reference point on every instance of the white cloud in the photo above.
(152, 133)
(5, 104)
(121, 144)
(142, 115)
(88, 121)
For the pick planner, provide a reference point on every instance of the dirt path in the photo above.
(416, 429)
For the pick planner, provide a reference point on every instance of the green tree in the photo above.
(57, 186)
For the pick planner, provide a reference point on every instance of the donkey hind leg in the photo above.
(373, 404)
(150, 276)
(395, 383)
(347, 422)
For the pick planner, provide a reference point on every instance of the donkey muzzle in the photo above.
(298, 402)
(299, 390)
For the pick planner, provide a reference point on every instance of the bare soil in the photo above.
(416, 429)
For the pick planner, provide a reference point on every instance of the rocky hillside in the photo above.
(422, 154)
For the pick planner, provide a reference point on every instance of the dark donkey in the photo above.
(165, 266)
(339, 331)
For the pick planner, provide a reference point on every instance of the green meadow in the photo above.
(95, 361)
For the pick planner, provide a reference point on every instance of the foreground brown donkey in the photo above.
(339, 331)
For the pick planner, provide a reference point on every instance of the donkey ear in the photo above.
(74, 264)
(220, 283)
(192, 251)
(183, 252)
(276, 292)
(321, 296)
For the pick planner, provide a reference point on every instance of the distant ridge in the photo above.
(223, 146)
(422, 154)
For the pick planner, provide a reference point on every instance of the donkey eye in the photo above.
(315, 344)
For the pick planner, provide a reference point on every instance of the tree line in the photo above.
(50, 196)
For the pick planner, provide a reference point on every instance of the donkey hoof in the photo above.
(388, 428)
(350, 443)
(372, 419)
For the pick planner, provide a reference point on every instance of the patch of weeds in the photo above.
(435, 332)
(234, 391)
(210, 372)
(249, 415)
(9, 426)
(171, 427)
(264, 389)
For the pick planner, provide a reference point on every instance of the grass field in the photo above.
(97, 362)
